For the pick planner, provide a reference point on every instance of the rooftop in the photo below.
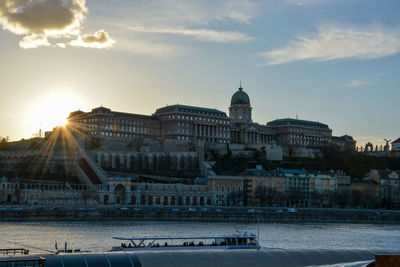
(344, 137)
(296, 122)
(258, 172)
(190, 109)
(396, 141)
(108, 112)
(293, 171)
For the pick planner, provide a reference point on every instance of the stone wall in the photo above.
(146, 161)
(141, 144)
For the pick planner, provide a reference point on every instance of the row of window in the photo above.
(187, 131)
(228, 188)
(122, 128)
(201, 112)
(308, 125)
(307, 143)
(119, 121)
(307, 131)
(111, 134)
(313, 138)
(12, 186)
(207, 139)
(191, 118)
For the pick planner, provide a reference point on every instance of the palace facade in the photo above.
(190, 124)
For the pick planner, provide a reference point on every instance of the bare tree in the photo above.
(356, 198)
(261, 194)
(234, 198)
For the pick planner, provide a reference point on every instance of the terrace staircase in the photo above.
(89, 171)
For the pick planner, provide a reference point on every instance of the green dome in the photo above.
(240, 97)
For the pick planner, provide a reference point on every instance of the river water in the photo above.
(97, 236)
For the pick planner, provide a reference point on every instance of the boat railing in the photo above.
(14, 251)
(250, 242)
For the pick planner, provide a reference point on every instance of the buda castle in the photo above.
(186, 124)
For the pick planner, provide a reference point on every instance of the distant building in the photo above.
(293, 132)
(227, 190)
(297, 185)
(116, 190)
(343, 185)
(244, 130)
(265, 184)
(344, 143)
(18, 191)
(8, 190)
(284, 132)
(396, 145)
(139, 192)
(177, 122)
(323, 183)
(191, 124)
(323, 188)
(103, 123)
(366, 194)
(389, 182)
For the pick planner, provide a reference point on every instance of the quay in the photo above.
(211, 214)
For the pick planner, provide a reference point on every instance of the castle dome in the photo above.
(240, 98)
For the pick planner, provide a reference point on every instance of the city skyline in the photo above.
(329, 61)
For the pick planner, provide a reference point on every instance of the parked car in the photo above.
(175, 209)
(291, 210)
(219, 210)
(251, 210)
(137, 209)
(279, 211)
(192, 209)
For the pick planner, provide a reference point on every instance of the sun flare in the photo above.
(52, 111)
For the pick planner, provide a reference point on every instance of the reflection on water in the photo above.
(97, 236)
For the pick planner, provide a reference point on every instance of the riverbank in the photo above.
(219, 214)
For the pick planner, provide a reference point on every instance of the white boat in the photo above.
(236, 241)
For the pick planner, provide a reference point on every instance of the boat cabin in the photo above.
(200, 242)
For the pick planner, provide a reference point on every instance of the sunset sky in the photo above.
(333, 61)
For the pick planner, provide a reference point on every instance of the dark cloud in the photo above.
(40, 20)
(50, 17)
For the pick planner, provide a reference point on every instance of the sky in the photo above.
(332, 61)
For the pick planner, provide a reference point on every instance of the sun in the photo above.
(52, 111)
